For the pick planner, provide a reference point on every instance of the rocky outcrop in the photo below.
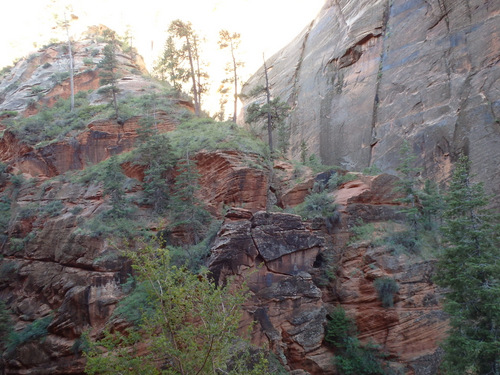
(366, 75)
(101, 140)
(284, 261)
(231, 179)
(275, 253)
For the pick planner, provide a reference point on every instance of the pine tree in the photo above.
(231, 41)
(109, 70)
(186, 208)
(469, 269)
(274, 112)
(407, 186)
(188, 55)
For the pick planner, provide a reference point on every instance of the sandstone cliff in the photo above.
(367, 74)
(56, 272)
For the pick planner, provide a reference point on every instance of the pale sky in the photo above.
(265, 25)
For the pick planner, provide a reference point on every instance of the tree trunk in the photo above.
(71, 72)
(269, 117)
(235, 84)
(193, 78)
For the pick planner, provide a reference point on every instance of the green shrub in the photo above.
(386, 289)
(16, 244)
(9, 113)
(337, 179)
(36, 89)
(320, 206)
(5, 324)
(372, 170)
(17, 180)
(53, 208)
(402, 242)
(339, 328)
(88, 61)
(205, 133)
(51, 124)
(351, 357)
(32, 332)
(362, 231)
(136, 307)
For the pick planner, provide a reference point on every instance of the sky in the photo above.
(265, 25)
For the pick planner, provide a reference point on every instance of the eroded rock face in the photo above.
(283, 260)
(275, 252)
(230, 178)
(367, 74)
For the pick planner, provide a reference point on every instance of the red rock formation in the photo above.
(282, 261)
(366, 75)
(227, 178)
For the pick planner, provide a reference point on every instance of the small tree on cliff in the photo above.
(232, 42)
(469, 269)
(274, 112)
(109, 69)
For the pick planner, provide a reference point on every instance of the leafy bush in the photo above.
(386, 289)
(319, 206)
(32, 332)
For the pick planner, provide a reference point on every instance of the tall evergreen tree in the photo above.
(232, 42)
(469, 269)
(109, 69)
(189, 52)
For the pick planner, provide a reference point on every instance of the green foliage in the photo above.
(372, 170)
(88, 61)
(321, 206)
(276, 112)
(137, 307)
(53, 124)
(53, 208)
(386, 288)
(109, 70)
(207, 134)
(8, 114)
(337, 179)
(362, 231)
(117, 220)
(5, 214)
(117, 353)
(157, 156)
(59, 77)
(186, 209)
(193, 257)
(34, 331)
(469, 269)
(339, 328)
(351, 357)
(5, 324)
(191, 329)
(8, 271)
